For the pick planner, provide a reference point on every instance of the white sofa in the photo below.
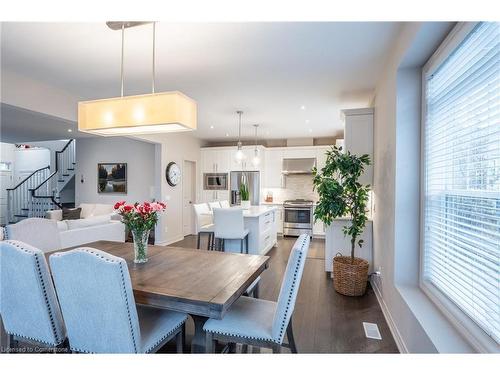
(97, 222)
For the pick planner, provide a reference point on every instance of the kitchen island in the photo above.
(261, 224)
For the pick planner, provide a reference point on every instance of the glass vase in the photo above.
(140, 245)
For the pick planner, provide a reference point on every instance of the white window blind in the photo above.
(461, 244)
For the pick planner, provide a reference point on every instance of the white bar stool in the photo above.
(229, 225)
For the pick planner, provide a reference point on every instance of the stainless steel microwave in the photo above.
(215, 181)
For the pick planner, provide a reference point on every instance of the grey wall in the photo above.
(418, 326)
(140, 159)
(175, 147)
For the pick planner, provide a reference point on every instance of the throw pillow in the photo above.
(71, 213)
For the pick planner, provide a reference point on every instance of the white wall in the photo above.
(417, 325)
(175, 147)
(53, 146)
(140, 159)
(24, 92)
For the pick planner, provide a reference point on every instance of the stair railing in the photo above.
(19, 197)
(44, 197)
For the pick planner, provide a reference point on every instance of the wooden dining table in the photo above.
(201, 283)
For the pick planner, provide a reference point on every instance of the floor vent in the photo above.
(371, 331)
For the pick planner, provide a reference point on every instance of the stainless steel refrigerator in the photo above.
(253, 180)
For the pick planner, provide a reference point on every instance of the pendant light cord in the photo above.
(153, 70)
(239, 129)
(255, 140)
(123, 45)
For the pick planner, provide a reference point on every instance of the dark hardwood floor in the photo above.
(323, 321)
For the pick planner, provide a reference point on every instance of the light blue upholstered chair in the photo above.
(28, 302)
(40, 233)
(258, 322)
(99, 310)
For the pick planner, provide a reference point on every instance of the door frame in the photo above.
(194, 179)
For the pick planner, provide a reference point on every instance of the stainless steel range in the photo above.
(298, 217)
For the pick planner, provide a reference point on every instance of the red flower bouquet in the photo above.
(140, 219)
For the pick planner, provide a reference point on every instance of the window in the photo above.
(461, 177)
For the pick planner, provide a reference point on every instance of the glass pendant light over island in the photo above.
(138, 114)
(239, 152)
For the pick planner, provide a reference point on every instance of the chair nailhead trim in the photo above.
(120, 263)
(57, 339)
(33, 339)
(128, 309)
(282, 330)
(165, 336)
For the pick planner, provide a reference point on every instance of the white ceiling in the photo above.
(269, 70)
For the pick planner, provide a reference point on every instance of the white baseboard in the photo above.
(170, 241)
(390, 321)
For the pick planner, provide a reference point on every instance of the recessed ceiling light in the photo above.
(307, 121)
(211, 126)
(310, 130)
(69, 130)
(303, 107)
(227, 134)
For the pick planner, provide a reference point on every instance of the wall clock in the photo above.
(173, 174)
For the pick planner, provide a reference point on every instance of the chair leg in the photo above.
(244, 348)
(210, 343)
(246, 243)
(223, 247)
(209, 242)
(255, 293)
(198, 241)
(13, 344)
(291, 339)
(179, 341)
(241, 246)
(276, 349)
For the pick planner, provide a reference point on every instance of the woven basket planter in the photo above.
(350, 278)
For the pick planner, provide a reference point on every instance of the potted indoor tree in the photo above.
(342, 195)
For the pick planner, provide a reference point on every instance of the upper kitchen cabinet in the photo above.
(358, 137)
(273, 177)
(299, 152)
(321, 156)
(247, 163)
(215, 160)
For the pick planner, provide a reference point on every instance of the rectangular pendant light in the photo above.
(139, 114)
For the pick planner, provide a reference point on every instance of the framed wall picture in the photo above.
(112, 178)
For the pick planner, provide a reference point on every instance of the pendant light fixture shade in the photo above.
(239, 152)
(162, 112)
(139, 114)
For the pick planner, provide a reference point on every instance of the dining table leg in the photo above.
(199, 338)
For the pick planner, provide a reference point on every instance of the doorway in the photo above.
(188, 197)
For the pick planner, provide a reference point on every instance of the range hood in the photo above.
(298, 166)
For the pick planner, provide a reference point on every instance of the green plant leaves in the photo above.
(340, 193)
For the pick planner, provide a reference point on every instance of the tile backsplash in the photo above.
(296, 187)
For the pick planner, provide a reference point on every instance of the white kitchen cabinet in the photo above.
(318, 226)
(273, 177)
(215, 160)
(321, 157)
(299, 152)
(280, 217)
(214, 195)
(358, 137)
(246, 164)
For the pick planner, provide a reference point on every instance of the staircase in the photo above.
(39, 192)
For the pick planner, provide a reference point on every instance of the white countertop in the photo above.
(256, 211)
(271, 203)
(253, 211)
